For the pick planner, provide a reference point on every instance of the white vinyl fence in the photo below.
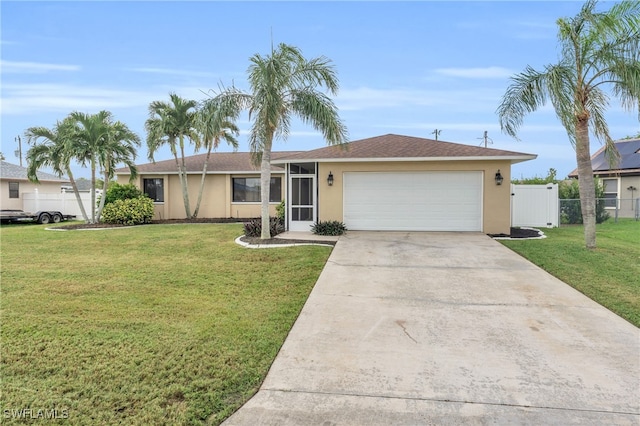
(535, 205)
(64, 202)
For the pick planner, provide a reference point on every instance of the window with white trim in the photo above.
(14, 189)
(610, 192)
(247, 190)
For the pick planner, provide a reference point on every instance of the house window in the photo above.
(247, 190)
(154, 188)
(610, 192)
(14, 189)
(302, 169)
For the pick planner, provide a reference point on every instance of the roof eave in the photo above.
(209, 172)
(513, 158)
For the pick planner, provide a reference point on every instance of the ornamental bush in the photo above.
(570, 209)
(117, 191)
(330, 227)
(132, 211)
(253, 228)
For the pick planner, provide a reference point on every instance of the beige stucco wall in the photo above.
(496, 202)
(7, 203)
(216, 197)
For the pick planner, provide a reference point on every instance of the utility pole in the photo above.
(18, 151)
(436, 132)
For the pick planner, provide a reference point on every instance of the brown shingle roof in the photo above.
(218, 162)
(395, 147)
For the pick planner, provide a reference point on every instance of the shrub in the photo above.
(132, 211)
(330, 227)
(570, 209)
(253, 228)
(280, 210)
(117, 191)
(550, 178)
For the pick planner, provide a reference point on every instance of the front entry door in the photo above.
(302, 208)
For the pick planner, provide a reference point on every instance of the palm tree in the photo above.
(213, 128)
(168, 124)
(283, 84)
(56, 151)
(119, 146)
(91, 134)
(598, 49)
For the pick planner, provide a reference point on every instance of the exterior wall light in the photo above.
(330, 179)
(499, 178)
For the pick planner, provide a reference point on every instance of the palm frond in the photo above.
(317, 109)
(526, 93)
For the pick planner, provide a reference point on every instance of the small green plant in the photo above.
(280, 210)
(132, 211)
(330, 227)
(118, 191)
(253, 228)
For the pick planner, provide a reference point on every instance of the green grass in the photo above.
(610, 274)
(159, 324)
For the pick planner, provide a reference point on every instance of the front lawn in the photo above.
(158, 324)
(610, 274)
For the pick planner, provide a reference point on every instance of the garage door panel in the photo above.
(429, 201)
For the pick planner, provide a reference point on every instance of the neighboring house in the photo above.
(388, 182)
(83, 185)
(14, 184)
(621, 179)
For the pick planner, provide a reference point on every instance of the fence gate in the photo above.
(535, 205)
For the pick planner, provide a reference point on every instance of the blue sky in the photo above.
(404, 67)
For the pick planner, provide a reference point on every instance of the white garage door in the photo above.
(413, 201)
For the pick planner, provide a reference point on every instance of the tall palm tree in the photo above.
(55, 151)
(119, 146)
(598, 49)
(282, 85)
(91, 134)
(170, 123)
(213, 128)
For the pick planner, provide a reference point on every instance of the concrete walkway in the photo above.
(447, 328)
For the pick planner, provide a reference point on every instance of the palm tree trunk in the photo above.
(93, 189)
(586, 183)
(265, 186)
(182, 171)
(204, 175)
(77, 194)
(104, 191)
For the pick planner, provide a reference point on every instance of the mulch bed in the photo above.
(519, 233)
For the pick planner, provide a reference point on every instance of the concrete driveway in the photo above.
(447, 328)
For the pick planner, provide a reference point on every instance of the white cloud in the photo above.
(487, 72)
(36, 98)
(469, 126)
(175, 72)
(534, 30)
(34, 67)
(364, 98)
